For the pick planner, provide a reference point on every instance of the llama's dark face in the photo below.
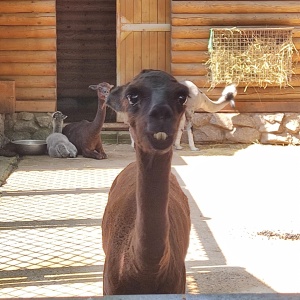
(154, 102)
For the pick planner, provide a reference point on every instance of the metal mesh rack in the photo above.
(259, 56)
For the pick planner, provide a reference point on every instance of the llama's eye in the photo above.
(182, 99)
(133, 99)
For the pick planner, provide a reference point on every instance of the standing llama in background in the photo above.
(85, 135)
(200, 101)
(146, 223)
(58, 144)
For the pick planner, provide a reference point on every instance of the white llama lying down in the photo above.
(58, 145)
(198, 100)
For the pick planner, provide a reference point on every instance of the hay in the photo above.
(258, 56)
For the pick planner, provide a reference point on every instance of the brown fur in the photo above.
(86, 135)
(146, 223)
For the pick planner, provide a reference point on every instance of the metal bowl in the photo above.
(30, 147)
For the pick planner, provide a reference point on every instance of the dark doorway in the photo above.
(86, 54)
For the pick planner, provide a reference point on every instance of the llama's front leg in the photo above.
(94, 153)
(179, 133)
(191, 137)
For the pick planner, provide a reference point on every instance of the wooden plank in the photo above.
(267, 107)
(202, 44)
(27, 6)
(7, 97)
(284, 19)
(137, 36)
(260, 94)
(28, 44)
(189, 44)
(235, 7)
(189, 56)
(39, 19)
(77, 6)
(78, 54)
(35, 93)
(42, 69)
(36, 106)
(203, 83)
(153, 47)
(22, 32)
(192, 69)
(32, 81)
(96, 45)
(146, 36)
(161, 37)
(27, 56)
(203, 32)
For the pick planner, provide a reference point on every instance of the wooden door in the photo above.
(143, 37)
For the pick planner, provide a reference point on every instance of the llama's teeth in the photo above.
(160, 136)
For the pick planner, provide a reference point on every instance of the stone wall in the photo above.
(246, 128)
(25, 126)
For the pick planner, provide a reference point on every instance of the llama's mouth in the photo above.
(160, 136)
(160, 140)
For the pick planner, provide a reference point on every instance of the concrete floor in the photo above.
(51, 210)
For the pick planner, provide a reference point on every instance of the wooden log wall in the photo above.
(28, 52)
(190, 25)
(86, 54)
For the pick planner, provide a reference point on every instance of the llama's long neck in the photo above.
(57, 126)
(98, 121)
(152, 222)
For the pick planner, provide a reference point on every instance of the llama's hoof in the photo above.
(178, 147)
(102, 156)
(194, 149)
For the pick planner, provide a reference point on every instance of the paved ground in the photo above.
(51, 209)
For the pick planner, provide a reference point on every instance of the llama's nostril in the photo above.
(161, 112)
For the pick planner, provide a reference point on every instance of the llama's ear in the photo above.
(93, 87)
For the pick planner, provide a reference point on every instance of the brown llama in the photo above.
(86, 135)
(146, 223)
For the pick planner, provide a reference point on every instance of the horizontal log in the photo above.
(32, 81)
(27, 56)
(267, 107)
(189, 44)
(234, 7)
(203, 82)
(202, 44)
(199, 69)
(17, 32)
(203, 32)
(36, 106)
(36, 93)
(27, 6)
(40, 19)
(189, 56)
(41, 69)
(284, 19)
(259, 94)
(28, 44)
